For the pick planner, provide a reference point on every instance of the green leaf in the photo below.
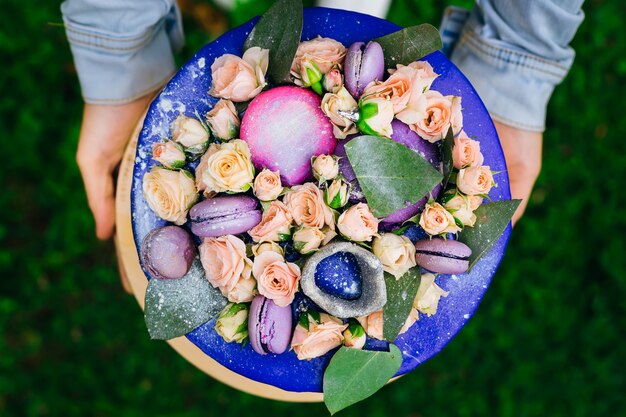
(354, 375)
(409, 44)
(174, 307)
(400, 296)
(491, 220)
(390, 174)
(446, 157)
(279, 30)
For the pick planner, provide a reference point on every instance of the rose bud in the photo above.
(169, 154)
(325, 167)
(259, 248)
(375, 117)
(428, 295)
(337, 194)
(190, 133)
(311, 76)
(459, 206)
(335, 106)
(223, 120)
(354, 335)
(364, 63)
(308, 239)
(232, 323)
(396, 253)
(333, 81)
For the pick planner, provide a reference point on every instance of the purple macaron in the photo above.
(443, 256)
(269, 326)
(225, 215)
(167, 252)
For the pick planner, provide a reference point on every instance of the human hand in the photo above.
(522, 151)
(104, 133)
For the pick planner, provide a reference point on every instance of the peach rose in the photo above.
(423, 76)
(358, 223)
(275, 224)
(428, 295)
(227, 267)
(306, 205)
(397, 253)
(354, 336)
(169, 154)
(202, 166)
(397, 88)
(434, 115)
(190, 133)
(267, 185)
(475, 180)
(373, 324)
(474, 201)
(413, 317)
(325, 167)
(308, 239)
(333, 81)
(460, 208)
(320, 338)
(276, 279)
(229, 167)
(436, 220)
(332, 105)
(466, 152)
(456, 117)
(170, 194)
(223, 120)
(325, 53)
(239, 79)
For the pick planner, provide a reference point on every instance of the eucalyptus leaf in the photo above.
(409, 44)
(174, 307)
(391, 175)
(446, 156)
(279, 30)
(400, 296)
(491, 220)
(355, 374)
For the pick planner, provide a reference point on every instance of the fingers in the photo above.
(100, 194)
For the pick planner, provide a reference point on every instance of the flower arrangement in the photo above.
(350, 220)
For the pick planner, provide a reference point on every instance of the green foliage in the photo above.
(400, 296)
(409, 44)
(546, 340)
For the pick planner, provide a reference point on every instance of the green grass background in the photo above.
(547, 340)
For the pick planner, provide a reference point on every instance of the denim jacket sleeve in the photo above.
(514, 53)
(123, 49)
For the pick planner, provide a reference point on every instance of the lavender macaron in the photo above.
(226, 215)
(167, 252)
(443, 256)
(269, 326)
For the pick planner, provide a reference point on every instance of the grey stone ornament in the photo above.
(174, 307)
(373, 296)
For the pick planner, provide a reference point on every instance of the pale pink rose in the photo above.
(169, 154)
(436, 220)
(354, 336)
(226, 265)
(456, 117)
(378, 116)
(325, 167)
(325, 53)
(276, 279)
(306, 205)
(259, 248)
(275, 224)
(319, 338)
(466, 152)
(358, 223)
(229, 167)
(397, 253)
(434, 112)
(474, 201)
(460, 208)
(267, 185)
(202, 166)
(308, 239)
(189, 132)
(475, 180)
(373, 324)
(244, 291)
(397, 88)
(223, 120)
(170, 194)
(423, 77)
(239, 79)
(333, 104)
(333, 81)
(413, 317)
(428, 295)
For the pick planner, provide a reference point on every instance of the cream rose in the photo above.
(232, 323)
(459, 206)
(337, 194)
(475, 180)
(239, 79)
(320, 338)
(190, 133)
(202, 166)
(275, 224)
(358, 223)
(332, 105)
(306, 205)
(259, 248)
(373, 324)
(354, 336)
(466, 152)
(308, 239)
(413, 317)
(229, 167)
(325, 53)
(428, 295)
(223, 120)
(227, 267)
(434, 112)
(276, 279)
(325, 167)
(170, 194)
(267, 185)
(474, 201)
(436, 220)
(375, 116)
(169, 154)
(397, 253)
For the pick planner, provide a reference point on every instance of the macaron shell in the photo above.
(221, 206)
(443, 247)
(254, 323)
(276, 334)
(239, 222)
(441, 264)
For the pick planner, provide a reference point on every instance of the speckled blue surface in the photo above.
(339, 275)
(186, 92)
